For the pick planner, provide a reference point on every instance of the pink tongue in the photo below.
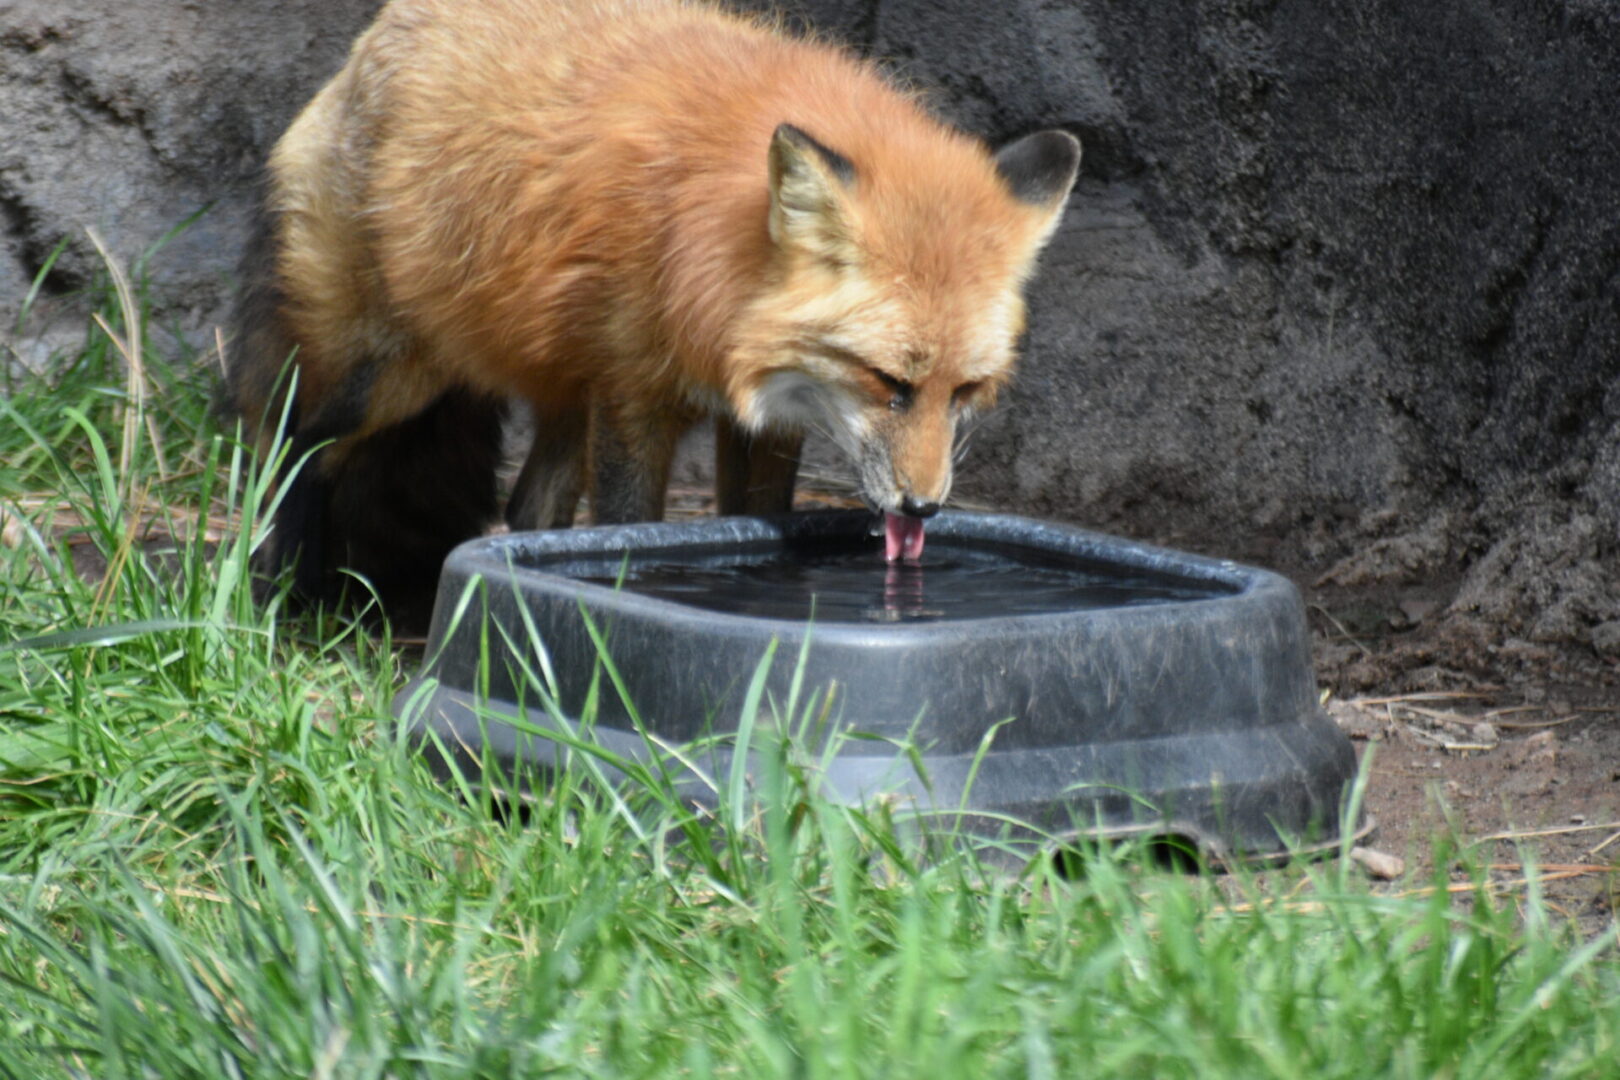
(902, 537)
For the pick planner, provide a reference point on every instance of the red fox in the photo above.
(630, 214)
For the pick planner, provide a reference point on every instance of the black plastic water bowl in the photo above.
(1145, 691)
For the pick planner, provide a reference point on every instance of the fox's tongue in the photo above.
(902, 536)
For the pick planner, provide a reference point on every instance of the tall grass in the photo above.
(219, 859)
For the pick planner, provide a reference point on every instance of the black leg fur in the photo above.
(389, 507)
(397, 501)
(753, 474)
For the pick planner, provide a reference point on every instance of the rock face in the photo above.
(132, 118)
(1339, 289)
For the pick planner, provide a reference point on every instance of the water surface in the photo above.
(849, 582)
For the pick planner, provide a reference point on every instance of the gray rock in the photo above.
(135, 118)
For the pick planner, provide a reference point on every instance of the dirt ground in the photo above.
(1505, 747)
(1528, 775)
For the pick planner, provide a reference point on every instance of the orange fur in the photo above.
(588, 204)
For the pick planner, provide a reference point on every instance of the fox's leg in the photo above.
(303, 534)
(631, 452)
(393, 471)
(400, 497)
(753, 474)
(547, 490)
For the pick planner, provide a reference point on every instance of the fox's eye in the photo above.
(959, 396)
(899, 390)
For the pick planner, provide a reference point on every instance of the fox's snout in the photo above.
(900, 448)
(911, 506)
(886, 485)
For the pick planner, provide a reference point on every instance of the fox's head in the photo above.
(895, 299)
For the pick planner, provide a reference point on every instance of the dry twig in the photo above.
(1427, 695)
(1549, 832)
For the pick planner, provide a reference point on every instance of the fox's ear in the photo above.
(1039, 170)
(807, 182)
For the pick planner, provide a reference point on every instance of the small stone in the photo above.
(1542, 746)
(1606, 638)
(1354, 721)
(1417, 610)
(1380, 864)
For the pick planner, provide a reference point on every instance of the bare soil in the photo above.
(1478, 740)
(1530, 776)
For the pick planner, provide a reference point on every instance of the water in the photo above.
(850, 583)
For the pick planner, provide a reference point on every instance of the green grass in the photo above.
(217, 860)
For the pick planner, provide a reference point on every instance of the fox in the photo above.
(633, 216)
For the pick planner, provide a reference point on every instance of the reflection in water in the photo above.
(903, 595)
(852, 583)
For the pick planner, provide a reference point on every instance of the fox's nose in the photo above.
(914, 507)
